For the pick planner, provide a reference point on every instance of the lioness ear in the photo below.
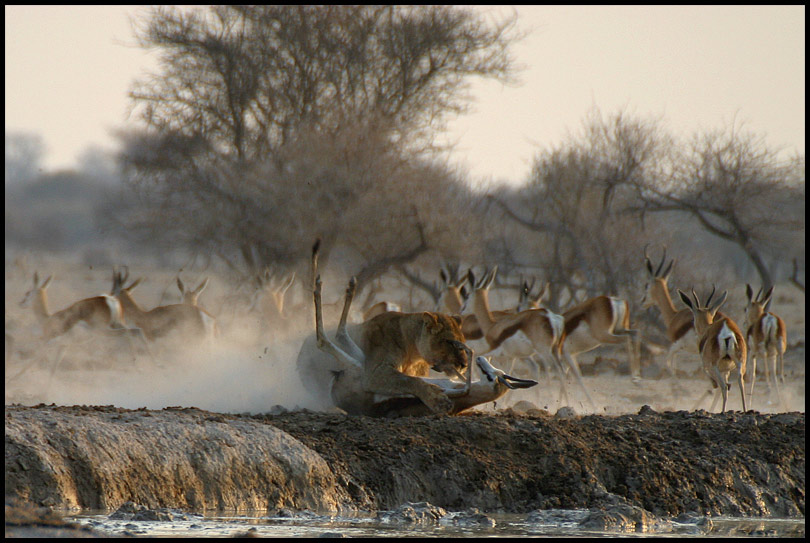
(456, 318)
(430, 321)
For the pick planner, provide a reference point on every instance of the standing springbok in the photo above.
(721, 344)
(98, 312)
(679, 323)
(453, 298)
(521, 335)
(164, 319)
(767, 336)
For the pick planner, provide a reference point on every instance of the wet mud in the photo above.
(664, 465)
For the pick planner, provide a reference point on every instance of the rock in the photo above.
(127, 510)
(86, 458)
(566, 413)
(162, 515)
(646, 410)
(470, 518)
(622, 518)
(412, 513)
(523, 406)
(558, 517)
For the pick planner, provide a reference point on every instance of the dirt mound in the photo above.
(667, 463)
(670, 463)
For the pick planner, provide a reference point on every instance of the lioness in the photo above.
(392, 360)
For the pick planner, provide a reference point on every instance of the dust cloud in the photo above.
(225, 376)
(249, 367)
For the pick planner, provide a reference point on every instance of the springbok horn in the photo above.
(515, 382)
(709, 299)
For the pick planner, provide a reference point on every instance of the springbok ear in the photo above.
(289, 283)
(665, 275)
(543, 292)
(685, 299)
(491, 276)
(717, 303)
(45, 283)
(134, 284)
(766, 299)
(201, 287)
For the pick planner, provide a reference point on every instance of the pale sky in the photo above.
(68, 70)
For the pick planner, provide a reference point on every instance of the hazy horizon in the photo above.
(68, 70)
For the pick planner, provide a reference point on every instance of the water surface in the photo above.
(223, 524)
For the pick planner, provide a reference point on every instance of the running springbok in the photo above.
(101, 313)
(371, 310)
(722, 346)
(190, 296)
(164, 319)
(98, 312)
(767, 335)
(598, 321)
(526, 299)
(521, 335)
(269, 296)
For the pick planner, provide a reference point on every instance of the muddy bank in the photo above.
(665, 463)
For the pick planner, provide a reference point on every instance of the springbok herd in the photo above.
(529, 331)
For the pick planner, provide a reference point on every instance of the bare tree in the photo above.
(573, 199)
(732, 183)
(273, 125)
(24, 153)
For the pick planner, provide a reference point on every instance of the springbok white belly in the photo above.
(518, 345)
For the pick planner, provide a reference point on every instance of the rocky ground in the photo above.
(662, 464)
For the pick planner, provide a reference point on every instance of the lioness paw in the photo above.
(440, 404)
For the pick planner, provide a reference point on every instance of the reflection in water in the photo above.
(306, 524)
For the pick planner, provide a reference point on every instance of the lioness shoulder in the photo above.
(411, 342)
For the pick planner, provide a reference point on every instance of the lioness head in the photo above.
(441, 343)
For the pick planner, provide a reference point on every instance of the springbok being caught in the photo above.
(521, 335)
(766, 335)
(351, 394)
(721, 344)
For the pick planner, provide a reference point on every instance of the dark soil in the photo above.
(668, 463)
